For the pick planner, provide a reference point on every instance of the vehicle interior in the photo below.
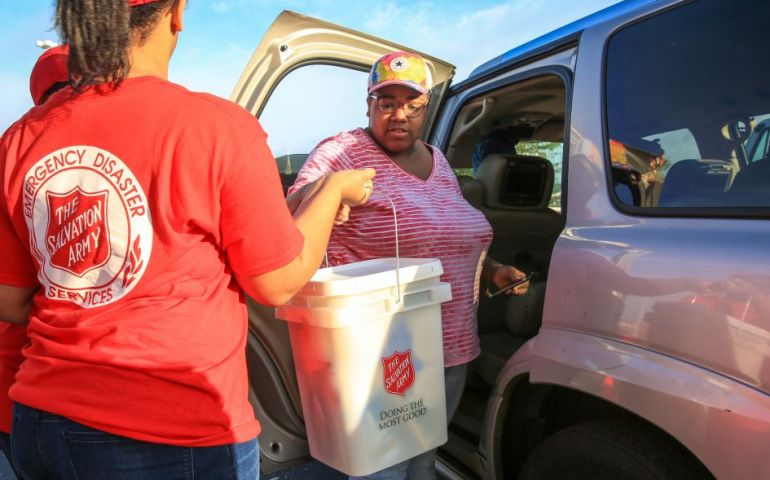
(288, 166)
(507, 148)
(729, 167)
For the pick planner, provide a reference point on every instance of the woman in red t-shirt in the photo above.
(434, 220)
(132, 210)
(48, 76)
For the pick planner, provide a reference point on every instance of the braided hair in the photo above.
(99, 33)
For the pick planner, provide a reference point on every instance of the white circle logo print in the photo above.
(399, 64)
(89, 224)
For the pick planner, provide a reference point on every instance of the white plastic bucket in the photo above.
(370, 362)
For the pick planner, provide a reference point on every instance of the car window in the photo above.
(677, 144)
(310, 104)
(506, 145)
(687, 105)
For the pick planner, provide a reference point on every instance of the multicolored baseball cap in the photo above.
(401, 68)
(49, 71)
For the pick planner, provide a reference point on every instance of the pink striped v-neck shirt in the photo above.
(434, 221)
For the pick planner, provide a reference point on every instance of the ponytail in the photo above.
(99, 33)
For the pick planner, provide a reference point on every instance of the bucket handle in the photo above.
(398, 258)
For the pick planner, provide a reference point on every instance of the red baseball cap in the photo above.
(134, 3)
(50, 69)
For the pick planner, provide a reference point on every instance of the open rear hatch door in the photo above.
(294, 40)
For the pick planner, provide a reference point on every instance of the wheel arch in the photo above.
(561, 378)
(531, 413)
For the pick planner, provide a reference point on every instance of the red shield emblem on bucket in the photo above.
(398, 372)
(77, 238)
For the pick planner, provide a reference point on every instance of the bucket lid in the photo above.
(379, 308)
(359, 277)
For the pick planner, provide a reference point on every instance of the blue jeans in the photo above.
(48, 446)
(6, 466)
(423, 466)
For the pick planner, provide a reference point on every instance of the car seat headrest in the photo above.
(516, 181)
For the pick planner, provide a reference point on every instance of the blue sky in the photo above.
(221, 35)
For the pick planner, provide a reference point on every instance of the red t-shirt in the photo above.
(132, 208)
(12, 339)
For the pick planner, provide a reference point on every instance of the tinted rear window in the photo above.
(688, 97)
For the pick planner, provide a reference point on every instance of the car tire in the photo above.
(610, 450)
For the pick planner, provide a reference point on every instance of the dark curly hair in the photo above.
(99, 33)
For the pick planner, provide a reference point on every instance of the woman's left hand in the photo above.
(502, 275)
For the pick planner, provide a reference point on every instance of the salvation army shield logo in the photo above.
(77, 237)
(398, 372)
(89, 224)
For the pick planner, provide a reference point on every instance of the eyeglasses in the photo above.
(389, 106)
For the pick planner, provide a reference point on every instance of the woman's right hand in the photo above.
(355, 186)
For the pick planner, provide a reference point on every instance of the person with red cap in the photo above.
(434, 220)
(49, 75)
(134, 214)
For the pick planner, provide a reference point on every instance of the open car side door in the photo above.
(292, 42)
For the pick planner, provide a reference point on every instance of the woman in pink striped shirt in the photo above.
(434, 220)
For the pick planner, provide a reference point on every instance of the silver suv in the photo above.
(621, 158)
